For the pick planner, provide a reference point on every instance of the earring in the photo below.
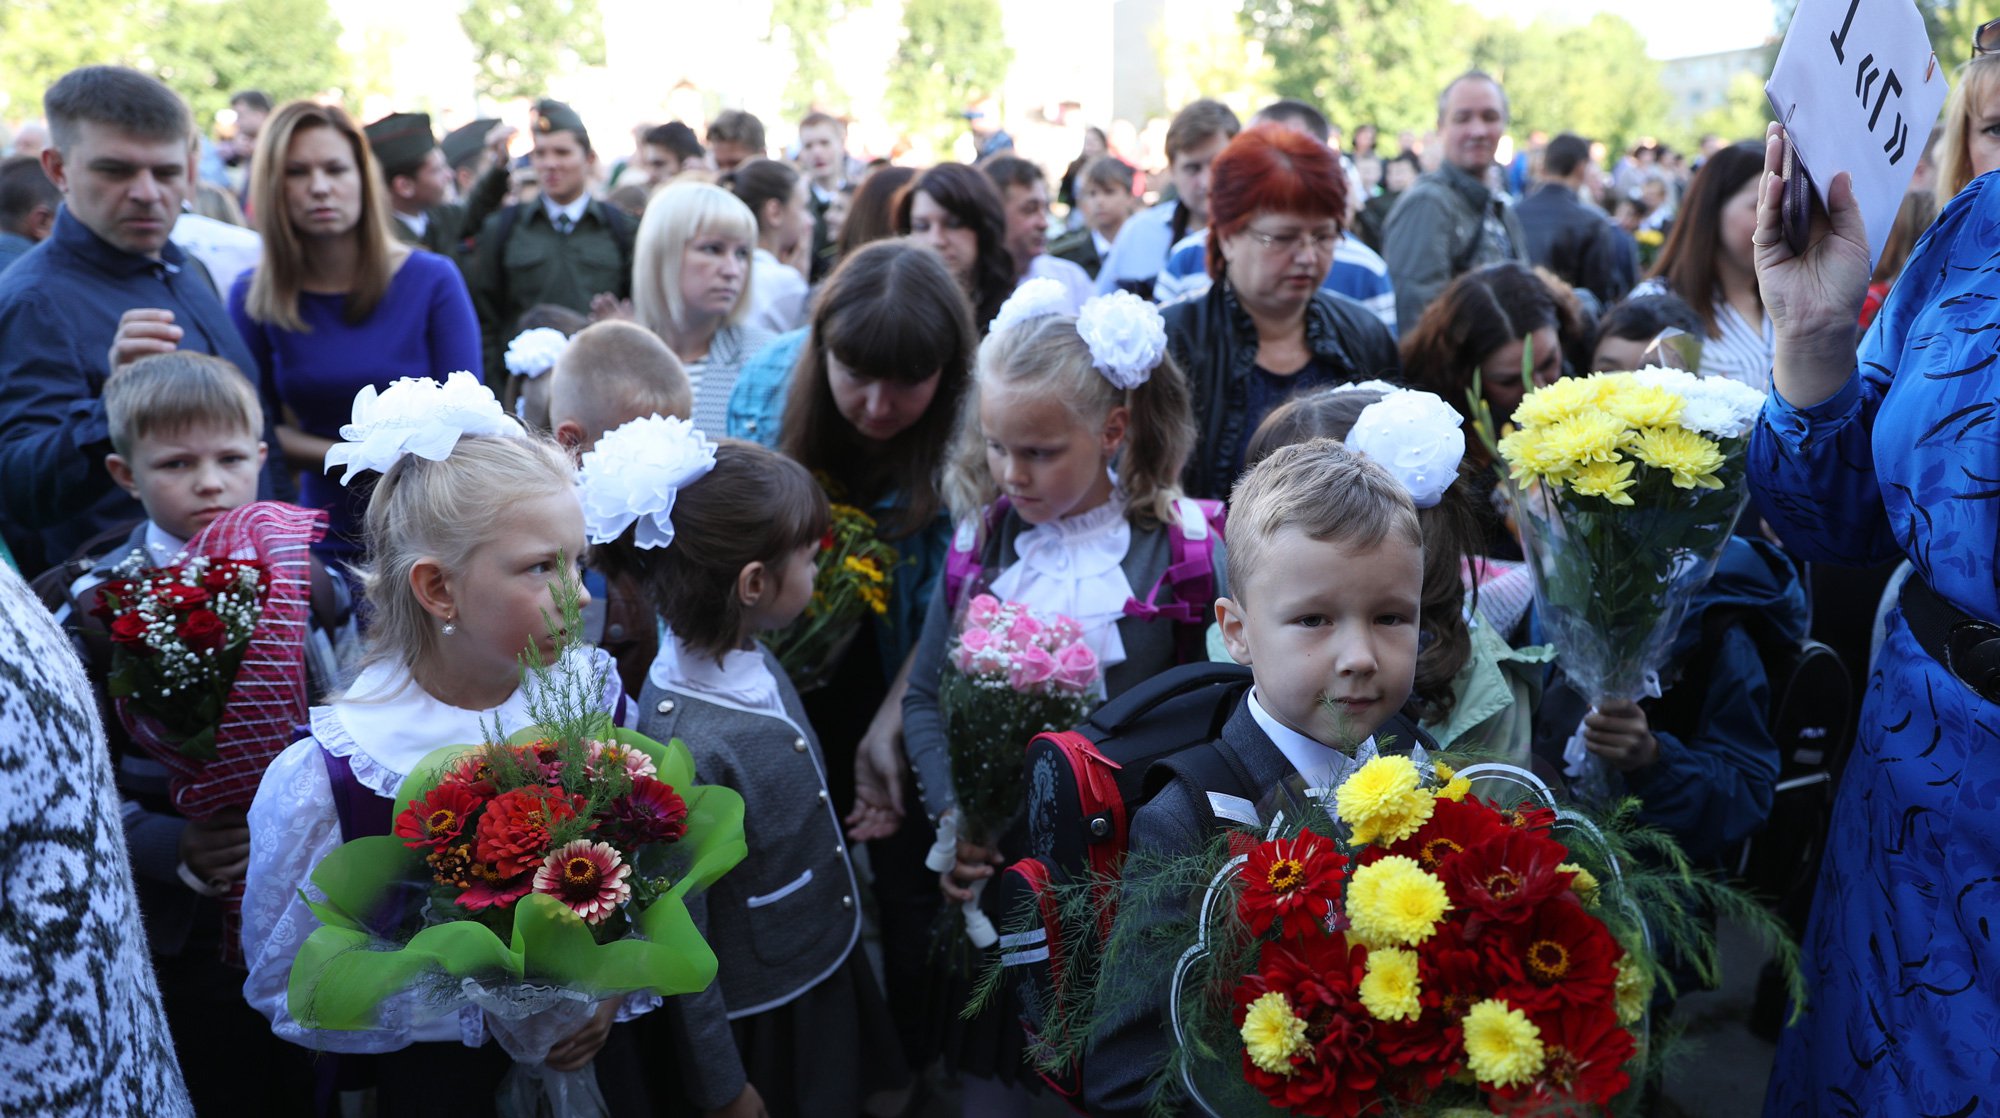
(449, 628)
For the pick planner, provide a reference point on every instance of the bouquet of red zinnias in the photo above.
(178, 634)
(1450, 943)
(1009, 676)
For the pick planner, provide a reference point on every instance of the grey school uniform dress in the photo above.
(794, 1010)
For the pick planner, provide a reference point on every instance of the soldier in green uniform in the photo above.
(422, 190)
(564, 247)
(470, 151)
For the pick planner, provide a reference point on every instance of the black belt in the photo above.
(1967, 647)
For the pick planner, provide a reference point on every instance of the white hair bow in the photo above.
(634, 474)
(416, 415)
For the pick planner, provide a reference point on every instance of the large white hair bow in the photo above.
(635, 472)
(1415, 436)
(534, 352)
(1036, 298)
(416, 415)
(1126, 335)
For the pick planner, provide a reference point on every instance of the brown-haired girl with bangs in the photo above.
(794, 1023)
(1065, 478)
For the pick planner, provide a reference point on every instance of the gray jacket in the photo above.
(1150, 648)
(788, 915)
(1437, 233)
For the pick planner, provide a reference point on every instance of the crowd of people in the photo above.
(185, 327)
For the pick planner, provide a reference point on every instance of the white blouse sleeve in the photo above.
(293, 826)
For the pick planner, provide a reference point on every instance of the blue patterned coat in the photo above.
(1904, 1016)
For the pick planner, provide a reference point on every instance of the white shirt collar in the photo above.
(162, 548)
(1322, 765)
(396, 723)
(743, 678)
(1075, 566)
(573, 211)
(1103, 245)
(415, 223)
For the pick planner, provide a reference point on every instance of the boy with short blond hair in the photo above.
(1325, 578)
(612, 373)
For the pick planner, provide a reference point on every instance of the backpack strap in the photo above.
(1213, 777)
(1189, 577)
(962, 562)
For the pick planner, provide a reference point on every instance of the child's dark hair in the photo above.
(1646, 317)
(755, 506)
(551, 316)
(890, 312)
(1451, 534)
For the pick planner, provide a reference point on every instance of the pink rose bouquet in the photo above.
(1009, 676)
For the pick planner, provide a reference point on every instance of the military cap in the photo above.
(401, 141)
(463, 144)
(554, 116)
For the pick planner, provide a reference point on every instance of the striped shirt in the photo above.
(1357, 272)
(1743, 353)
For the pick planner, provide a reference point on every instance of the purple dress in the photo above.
(423, 327)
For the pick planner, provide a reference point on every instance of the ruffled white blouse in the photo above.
(389, 726)
(743, 678)
(1072, 566)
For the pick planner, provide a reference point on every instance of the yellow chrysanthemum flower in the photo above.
(1273, 1034)
(1691, 457)
(1502, 1046)
(1608, 480)
(1585, 884)
(1395, 902)
(1646, 406)
(1576, 442)
(1451, 786)
(1633, 991)
(866, 568)
(1389, 991)
(1382, 802)
(1556, 402)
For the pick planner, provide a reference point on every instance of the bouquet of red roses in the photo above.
(178, 634)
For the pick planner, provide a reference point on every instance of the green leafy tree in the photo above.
(1591, 78)
(804, 27)
(520, 46)
(1373, 61)
(953, 54)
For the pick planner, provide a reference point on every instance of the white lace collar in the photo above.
(743, 678)
(391, 724)
(1322, 765)
(1074, 566)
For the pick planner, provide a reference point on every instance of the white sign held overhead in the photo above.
(1858, 89)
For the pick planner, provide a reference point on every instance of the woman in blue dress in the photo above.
(1856, 461)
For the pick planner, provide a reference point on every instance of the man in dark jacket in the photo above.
(1451, 222)
(1569, 238)
(421, 184)
(120, 156)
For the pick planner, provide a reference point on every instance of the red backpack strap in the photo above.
(961, 563)
(1190, 575)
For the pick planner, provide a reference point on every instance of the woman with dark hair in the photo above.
(1709, 262)
(866, 397)
(1265, 331)
(335, 284)
(956, 212)
(871, 216)
(781, 200)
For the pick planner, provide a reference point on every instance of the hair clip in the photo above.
(1126, 335)
(416, 415)
(633, 475)
(1415, 436)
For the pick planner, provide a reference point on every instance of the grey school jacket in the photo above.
(786, 917)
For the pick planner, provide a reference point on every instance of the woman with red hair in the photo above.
(1266, 331)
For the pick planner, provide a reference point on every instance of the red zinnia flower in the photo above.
(472, 771)
(129, 628)
(1506, 877)
(1320, 977)
(1566, 957)
(587, 876)
(651, 812)
(1296, 880)
(1454, 827)
(204, 631)
(1585, 1053)
(514, 829)
(494, 892)
(439, 817)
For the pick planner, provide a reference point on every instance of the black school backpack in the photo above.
(1811, 719)
(1083, 785)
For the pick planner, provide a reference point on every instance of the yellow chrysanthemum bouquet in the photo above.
(855, 573)
(1625, 487)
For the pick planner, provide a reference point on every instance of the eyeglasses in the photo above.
(1986, 40)
(1290, 243)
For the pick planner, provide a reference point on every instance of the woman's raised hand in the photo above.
(1813, 297)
